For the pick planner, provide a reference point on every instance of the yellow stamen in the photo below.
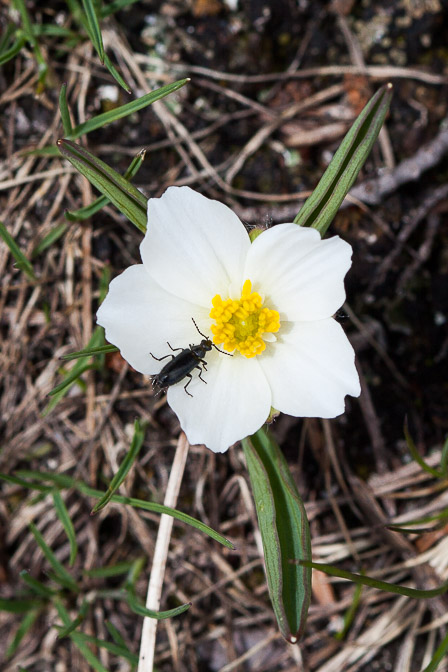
(241, 323)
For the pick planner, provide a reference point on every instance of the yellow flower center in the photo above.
(241, 323)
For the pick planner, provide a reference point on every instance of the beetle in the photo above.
(181, 365)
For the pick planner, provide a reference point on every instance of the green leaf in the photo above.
(125, 466)
(10, 53)
(90, 352)
(63, 108)
(63, 481)
(122, 193)
(65, 519)
(61, 574)
(50, 238)
(284, 531)
(320, 208)
(18, 606)
(77, 370)
(139, 609)
(416, 593)
(36, 586)
(416, 455)
(93, 208)
(110, 570)
(65, 632)
(78, 639)
(125, 110)
(94, 28)
(22, 262)
(438, 656)
(25, 626)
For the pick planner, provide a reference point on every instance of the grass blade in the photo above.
(24, 627)
(416, 455)
(63, 108)
(320, 208)
(21, 261)
(59, 569)
(125, 110)
(284, 531)
(90, 352)
(67, 524)
(416, 593)
(93, 208)
(94, 28)
(139, 609)
(125, 466)
(129, 201)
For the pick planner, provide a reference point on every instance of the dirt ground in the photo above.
(274, 87)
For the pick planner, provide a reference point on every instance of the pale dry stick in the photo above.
(44, 175)
(257, 140)
(148, 641)
(357, 58)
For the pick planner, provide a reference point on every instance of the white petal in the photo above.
(234, 403)
(299, 274)
(194, 247)
(310, 369)
(140, 317)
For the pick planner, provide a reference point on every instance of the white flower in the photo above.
(269, 303)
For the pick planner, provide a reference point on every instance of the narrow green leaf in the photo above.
(438, 656)
(284, 531)
(158, 615)
(18, 606)
(10, 53)
(70, 378)
(24, 627)
(77, 370)
(115, 74)
(125, 110)
(63, 108)
(115, 649)
(21, 261)
(320, 208)
(15, 480)
(94, 28)
(125, 466)
(50, 238)
(36, 586)
(68, 629)
(63, 481)
(90, 352)
(111, 570)
(416, 455)
(115, 6)
(122, 193)
(350, 614)
(93, 208)
(116, 636)
(78, 639)
(376, 583)
(66, 521)
(59, 569)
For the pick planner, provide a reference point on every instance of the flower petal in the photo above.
(140, 317)
(310, 369)
(194, 247)
(300, 275)
(235, 402)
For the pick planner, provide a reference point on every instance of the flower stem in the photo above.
(148, 641)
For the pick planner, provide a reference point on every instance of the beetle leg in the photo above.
(200, 372)
(159, 359)
(173, 349)
(187, 384)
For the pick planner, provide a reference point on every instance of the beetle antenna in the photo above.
(209, 339)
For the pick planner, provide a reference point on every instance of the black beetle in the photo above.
(182, 365)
